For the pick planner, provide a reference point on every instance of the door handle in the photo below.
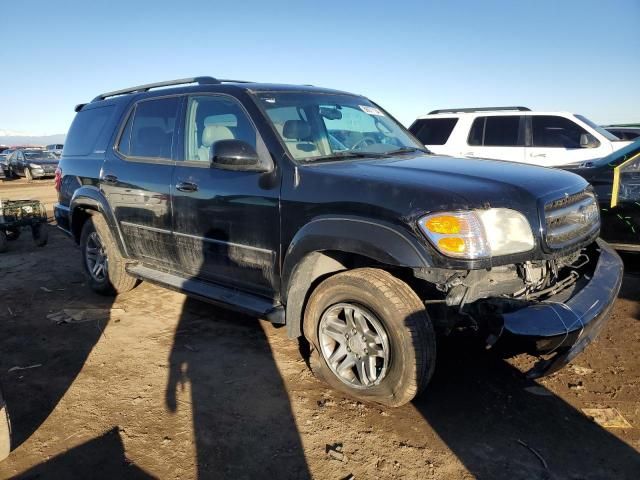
(110, 179)
(537, 155)
(187, 187)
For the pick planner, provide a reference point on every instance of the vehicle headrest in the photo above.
(214, 133)
(296, 130)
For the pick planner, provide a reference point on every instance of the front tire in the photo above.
(3, 242)
(370, 336)
(27, 175)
(102, 263)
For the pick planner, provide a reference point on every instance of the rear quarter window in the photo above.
(433, 131)
(88, 133)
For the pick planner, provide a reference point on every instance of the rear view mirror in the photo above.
(588, 141)
(331, 113)
(235, 155)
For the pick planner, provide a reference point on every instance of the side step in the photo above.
(216, 294)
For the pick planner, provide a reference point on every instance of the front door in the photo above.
(136, 179)
(226, 223)
(555, 140)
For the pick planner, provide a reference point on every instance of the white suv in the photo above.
(515, 134)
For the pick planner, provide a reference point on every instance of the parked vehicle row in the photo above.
(31, 164)
(317, 210)
(515, 134)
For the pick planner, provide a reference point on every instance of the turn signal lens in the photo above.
(444, 224)
(452, 244)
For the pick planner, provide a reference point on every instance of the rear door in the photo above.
(136, 178)
(226, 222)
(500, 137)
(555, 140)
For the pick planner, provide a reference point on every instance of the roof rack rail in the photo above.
(181, 81)
(479, 109)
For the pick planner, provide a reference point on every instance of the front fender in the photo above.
(89, 197)
(304, 262)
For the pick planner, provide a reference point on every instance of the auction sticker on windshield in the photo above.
(371, 110)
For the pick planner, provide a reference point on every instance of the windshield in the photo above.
(315, 126)
(38, 155)
(606, 134)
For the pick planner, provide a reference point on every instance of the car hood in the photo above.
(431, 182)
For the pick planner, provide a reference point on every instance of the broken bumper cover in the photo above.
(563, 330)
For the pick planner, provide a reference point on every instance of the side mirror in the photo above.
(235, 155)
(588, 141)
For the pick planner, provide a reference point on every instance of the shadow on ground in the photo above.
(477, 404)
(99, 458)
(242, 419)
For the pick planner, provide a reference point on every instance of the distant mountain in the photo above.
(10, 138)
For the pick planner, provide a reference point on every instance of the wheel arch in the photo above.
(88, 201)
(326, 246)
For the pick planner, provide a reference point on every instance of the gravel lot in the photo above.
(156, 385)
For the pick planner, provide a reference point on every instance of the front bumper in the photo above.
(561, 331)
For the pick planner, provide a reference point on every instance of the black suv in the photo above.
(315, 209)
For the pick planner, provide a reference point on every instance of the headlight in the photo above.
(630, 181)
(35, 166)
(478, 233)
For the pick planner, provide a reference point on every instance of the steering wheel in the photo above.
(364, 142)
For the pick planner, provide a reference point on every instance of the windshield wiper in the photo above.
(407, 150)
(346, 154)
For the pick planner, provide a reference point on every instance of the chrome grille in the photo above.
(571, 219)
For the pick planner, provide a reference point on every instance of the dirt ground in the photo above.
(157, 385)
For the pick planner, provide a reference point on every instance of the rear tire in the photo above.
(102, 263)
(392, 340)
(40, 234)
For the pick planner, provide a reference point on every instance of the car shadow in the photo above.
(478, 405)
(99, 458)
(40, 358)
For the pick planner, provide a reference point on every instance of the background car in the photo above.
(4, 162)
(32, 164)
(616, 180)
(515, 134)
(55, 148)
(625, 132)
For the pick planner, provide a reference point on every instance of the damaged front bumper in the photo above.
(561, 330)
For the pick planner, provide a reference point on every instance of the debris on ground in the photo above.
(536, 453)
(538, 390)
(72, 315)
(45, 289)
(581, 370)
(16, 368)
(335, 452)
(10, 312)
(607, 417)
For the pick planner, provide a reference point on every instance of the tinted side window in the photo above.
(124, 146)
(502, 131)
(152, 128)
(496, 131)
(87, 133)
(552, 131)
(433, 131)
(477, 131)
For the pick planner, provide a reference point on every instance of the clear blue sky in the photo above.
(409, 56)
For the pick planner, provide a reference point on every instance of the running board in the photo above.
(216, 294)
